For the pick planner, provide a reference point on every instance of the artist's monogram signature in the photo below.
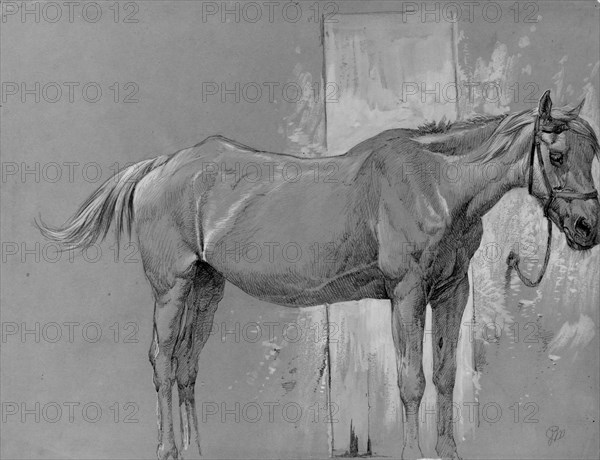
(554, 433)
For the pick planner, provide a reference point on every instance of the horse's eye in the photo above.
(555, 128)
(556, 158)
(559, 129)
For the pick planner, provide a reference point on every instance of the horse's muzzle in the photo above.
(581, 232)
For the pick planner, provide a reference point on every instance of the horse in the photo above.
(397, 217)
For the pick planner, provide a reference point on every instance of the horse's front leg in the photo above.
(447, 311)
(408, 322)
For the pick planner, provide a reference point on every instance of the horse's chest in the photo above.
(450, 257)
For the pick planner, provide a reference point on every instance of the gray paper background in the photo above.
(168, 54)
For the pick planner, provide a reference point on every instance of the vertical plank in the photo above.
(373, 59)
(385, 408)
(388, 72)
(465, 387)
(349, 366)
(303, 384)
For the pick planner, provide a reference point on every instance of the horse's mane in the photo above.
(585, 130)
(493, 135)
(445, 126)
(458, 137)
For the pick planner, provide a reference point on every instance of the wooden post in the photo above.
(377, 62)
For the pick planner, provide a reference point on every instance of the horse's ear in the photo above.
(545, 107)
(574, 113)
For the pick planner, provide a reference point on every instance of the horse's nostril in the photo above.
(583, 227)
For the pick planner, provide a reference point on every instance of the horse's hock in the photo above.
(359, 49)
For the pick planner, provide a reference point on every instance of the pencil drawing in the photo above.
(389, 227)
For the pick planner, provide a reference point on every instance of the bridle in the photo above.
(554, 192)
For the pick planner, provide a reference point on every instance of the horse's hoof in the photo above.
(167, 453)
(190, 451)
(411, 453)
(447, 452)
(451, 457)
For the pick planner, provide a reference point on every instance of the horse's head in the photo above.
(567, 145)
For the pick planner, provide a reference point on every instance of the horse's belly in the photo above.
(293, 290)
(296, 267)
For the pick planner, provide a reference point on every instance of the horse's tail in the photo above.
(113, 200)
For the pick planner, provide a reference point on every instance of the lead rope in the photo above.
(513, 258)
(513, 262)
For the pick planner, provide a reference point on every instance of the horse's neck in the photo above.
(483, 177)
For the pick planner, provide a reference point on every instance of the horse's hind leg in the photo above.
(170, 268)
(168, 309)
(202, 302)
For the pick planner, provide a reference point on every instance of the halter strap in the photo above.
(554, 192)
(570, 195)
(535, 144)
